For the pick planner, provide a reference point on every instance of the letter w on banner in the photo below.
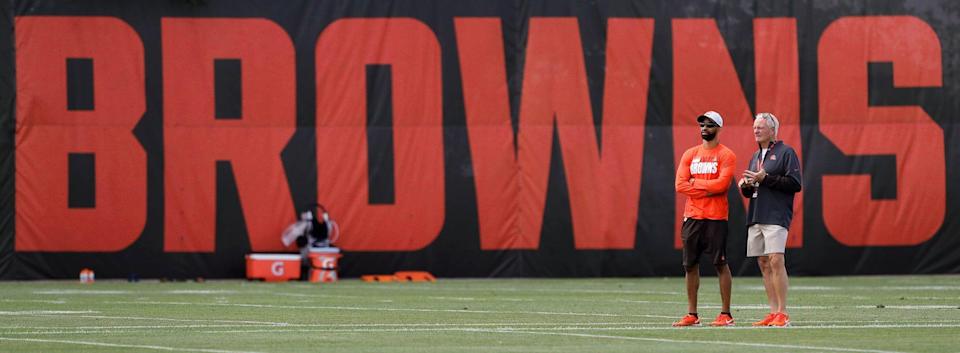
(705, 79)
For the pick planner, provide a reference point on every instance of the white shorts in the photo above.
(765, 239)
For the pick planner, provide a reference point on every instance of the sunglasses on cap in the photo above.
(708, 125)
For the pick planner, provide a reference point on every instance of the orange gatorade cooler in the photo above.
(323, 264)
(273, 267)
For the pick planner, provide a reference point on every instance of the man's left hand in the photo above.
(756, 176)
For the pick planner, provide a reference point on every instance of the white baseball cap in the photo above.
(712, 115)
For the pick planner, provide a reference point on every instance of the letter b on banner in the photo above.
(51, 129)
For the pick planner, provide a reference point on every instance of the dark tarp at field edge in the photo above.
(469, 138)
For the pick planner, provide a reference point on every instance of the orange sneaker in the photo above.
(781, 320)
(723, 320)
(766, 320)
(687, 320)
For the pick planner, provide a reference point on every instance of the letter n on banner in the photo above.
(410, 50)
(200, 128)
(80, 173)
(850, 213)
(705, 79)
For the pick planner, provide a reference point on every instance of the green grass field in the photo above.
(829, 314)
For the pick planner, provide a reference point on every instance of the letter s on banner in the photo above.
(849, 212)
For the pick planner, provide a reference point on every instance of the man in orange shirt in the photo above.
(704, 175)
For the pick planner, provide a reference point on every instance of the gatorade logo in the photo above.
(277, 268)
(698, 167)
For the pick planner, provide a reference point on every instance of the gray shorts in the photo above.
(765, 239)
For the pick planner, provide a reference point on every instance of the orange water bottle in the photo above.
(86, 276)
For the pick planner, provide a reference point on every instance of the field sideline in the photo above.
(829, 314)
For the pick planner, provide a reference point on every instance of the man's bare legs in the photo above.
(693, 286)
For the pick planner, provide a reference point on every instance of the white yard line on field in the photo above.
(667, 340)
(858, 288)
(34, 301)
(268, 323)
(799, 307)
(917, 288)
(554, 331)
(46, 312)
(577, 327)
(62, 330)
(804, 324)
(116, 345)
(348, 327)
(196, 291)
(312, 295)
(738, 306)
(767, 307)
(504, 328)
(865, 288)
(463, 311)
(880, 322)
(82, 291)
(302, 328)
(908, 307)
(441, 327)
(362, 325)
(460, 299)
(396, 286)
(803, 307)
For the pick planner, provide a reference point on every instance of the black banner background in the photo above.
(456, 251)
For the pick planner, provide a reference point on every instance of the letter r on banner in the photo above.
(195, 137)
